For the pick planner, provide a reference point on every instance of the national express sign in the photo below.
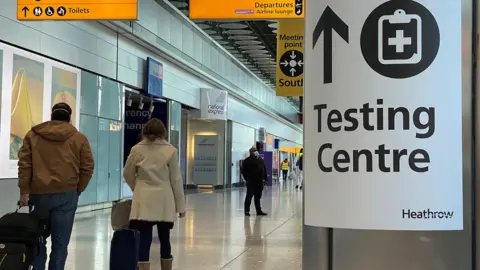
(213, 104)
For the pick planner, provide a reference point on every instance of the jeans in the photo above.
(284, 174)
(57, 211)
(146, 237)
(255, 193)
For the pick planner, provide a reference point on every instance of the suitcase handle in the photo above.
(31, 207)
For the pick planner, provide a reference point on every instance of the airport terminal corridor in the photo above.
(214, 235)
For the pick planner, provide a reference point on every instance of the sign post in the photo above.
(290, 61)
(64, 10)
(213, 104)
(383, 115)
(246, 9)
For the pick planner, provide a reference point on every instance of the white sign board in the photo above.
(383, 115)
(213, 104)
(205, 160)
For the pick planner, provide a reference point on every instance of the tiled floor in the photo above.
(214, 235)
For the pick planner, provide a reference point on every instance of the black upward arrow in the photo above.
(329, 21)
(25, 10)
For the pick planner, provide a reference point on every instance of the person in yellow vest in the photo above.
(285, 166)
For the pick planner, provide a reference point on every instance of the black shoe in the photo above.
(296, 186)
(261, 214)
(247, 214)
(301, 187)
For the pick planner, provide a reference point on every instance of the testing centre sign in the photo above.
(383, 115)
(246, 9)
(290, 49)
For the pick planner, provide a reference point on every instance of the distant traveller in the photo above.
(255, 174)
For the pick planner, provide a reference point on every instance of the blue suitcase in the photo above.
(124, 250)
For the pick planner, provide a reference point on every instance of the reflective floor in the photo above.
(214, 235)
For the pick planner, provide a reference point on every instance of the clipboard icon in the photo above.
(395, 45)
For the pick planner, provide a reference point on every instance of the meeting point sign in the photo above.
(383, 115)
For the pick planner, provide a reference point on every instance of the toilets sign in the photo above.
(383, 115)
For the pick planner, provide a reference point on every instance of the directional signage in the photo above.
(246, 9)
(290, 62)
(33, 10)
(383, 115)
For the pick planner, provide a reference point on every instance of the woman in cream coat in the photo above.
(153, 174)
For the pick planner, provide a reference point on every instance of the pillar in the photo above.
(344, 69)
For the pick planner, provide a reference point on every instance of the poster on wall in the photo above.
(154, 78)
(205, 165)
(64, 89)
(383, 115)
(1, 85)
(30, 85)
(27, 99)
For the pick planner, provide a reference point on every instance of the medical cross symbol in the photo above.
(399, 41)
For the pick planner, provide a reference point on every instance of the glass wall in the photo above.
(101, 120)
(175, 123)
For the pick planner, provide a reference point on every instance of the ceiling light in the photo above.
(255, 51)
(228, 47)
(274, 31)
(248, 42)
(140, 104)
(152, 107)
(223, 42)
(216, 37)
(273, 25)
(267, 66)
(233, 26)
(238, 32)
(259, 55)
(243, 37)
(229, 21)
(252, 47)
(203, 26)
(265, 62)
(210, 32)
(264, 59)
(179, 4)
(129, 100)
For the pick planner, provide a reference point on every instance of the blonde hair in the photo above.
(154, 129)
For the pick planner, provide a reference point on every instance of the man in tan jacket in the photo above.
(55, 165)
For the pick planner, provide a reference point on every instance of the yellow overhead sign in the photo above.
(246, 9)
(290, 61)
(62, 10)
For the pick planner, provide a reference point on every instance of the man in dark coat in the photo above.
(255, 174)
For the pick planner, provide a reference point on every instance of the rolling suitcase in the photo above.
(20, 235)
(124, 250)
